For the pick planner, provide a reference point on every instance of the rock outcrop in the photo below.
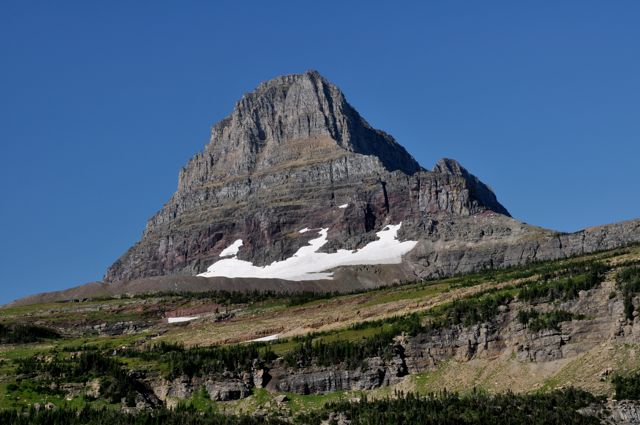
(315, 380)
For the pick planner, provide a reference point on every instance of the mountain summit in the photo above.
(295, 185)
(288, 120)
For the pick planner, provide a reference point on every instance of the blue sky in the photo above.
(101, 103)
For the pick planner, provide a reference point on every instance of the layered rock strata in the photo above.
(287, 157)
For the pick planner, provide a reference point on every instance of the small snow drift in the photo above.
(232, 249)
(343, 206)
(309, 264)
(266, 338)
(181, 319)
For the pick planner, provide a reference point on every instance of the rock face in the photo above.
(295, 154)
(316, 380)
(288, 155)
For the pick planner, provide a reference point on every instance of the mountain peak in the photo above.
(449, 166)
(294, 154)
(288, 120)
(290, 107)
(290, 79)
(478, 189)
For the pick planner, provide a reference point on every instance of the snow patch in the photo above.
(343, 206)
(181, 319)
(266, 338)
(305, 230)
(232, 249)
(309, 264)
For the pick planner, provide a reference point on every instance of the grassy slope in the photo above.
(331, 318)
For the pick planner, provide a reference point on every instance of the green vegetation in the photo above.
(116, 383)
(628, 281)
(536, 321)
(547, 270)
(24, 334)
(627, 387)
(200, 400)
(112, 369)
(472, 310)
(198, 361)
(582, 277)
(353, 353)
(179, 416)
(557, 407)
(227, 298)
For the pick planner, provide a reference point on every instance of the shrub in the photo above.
(116, 382)
(536, 321)
(199, 361)
(557, 407)
(627, 387)
(628, 280)
(352, 353)
(22, 334)
(582, 278)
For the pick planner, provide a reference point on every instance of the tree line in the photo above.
(558, 407)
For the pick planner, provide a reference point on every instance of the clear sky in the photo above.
(101, 103)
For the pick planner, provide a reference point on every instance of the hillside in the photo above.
(532, 330)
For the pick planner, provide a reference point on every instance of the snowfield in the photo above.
(232, 249)
(309, 264)
(181, 319)
(266, 338)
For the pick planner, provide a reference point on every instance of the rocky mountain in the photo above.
(289, 155)
(296, 191)
(293, 155)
